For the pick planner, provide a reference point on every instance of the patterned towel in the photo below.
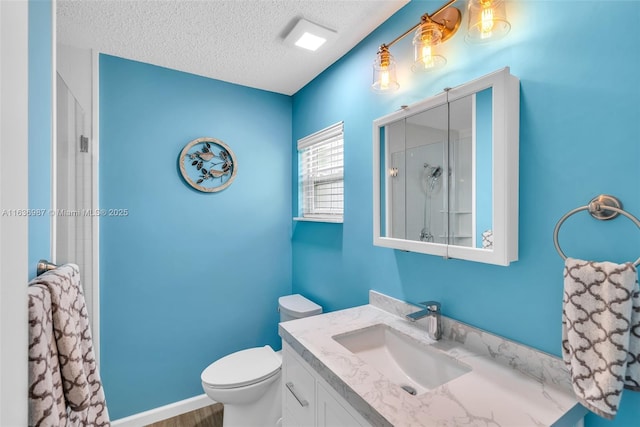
(73, 373)
(487, 239)
(46, 403)
(601, 332)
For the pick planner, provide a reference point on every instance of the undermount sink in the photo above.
(414, 366)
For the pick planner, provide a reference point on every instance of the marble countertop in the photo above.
(509, 384)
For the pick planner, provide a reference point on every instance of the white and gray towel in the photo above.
(64, 382)
(601, 332)
(46, 401)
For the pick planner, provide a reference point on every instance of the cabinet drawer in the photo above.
(298, 392)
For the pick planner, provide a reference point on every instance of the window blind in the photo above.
(321, 177)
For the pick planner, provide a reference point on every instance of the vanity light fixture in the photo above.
(487, 21)
(427, 37)
(309, 36)
(431, 31)
(384, 72)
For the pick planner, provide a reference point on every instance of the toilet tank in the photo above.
(296, 306)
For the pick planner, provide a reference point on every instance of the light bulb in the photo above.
(486, 17)
(384, 79)
(427, 57)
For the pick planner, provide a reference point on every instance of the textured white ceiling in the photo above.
(238, 41)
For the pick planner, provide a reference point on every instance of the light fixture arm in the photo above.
(425, 18)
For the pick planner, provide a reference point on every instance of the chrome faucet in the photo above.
(434, 324)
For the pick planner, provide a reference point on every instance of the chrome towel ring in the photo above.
(603, 207)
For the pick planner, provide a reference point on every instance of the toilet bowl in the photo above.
(248, 382)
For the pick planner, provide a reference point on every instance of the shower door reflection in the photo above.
(418, 185)
(439, 179)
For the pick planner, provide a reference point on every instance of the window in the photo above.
(320, 175)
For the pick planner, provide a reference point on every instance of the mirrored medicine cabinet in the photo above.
(446, 173)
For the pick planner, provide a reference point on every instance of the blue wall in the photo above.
(579, 127)
(484, 162)
(40, 128)
(186, 277)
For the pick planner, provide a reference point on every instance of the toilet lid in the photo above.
(242, 368)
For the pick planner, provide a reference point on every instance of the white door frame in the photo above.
(95, 201)
(14, 191)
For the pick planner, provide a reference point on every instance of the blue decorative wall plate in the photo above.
(208, 164)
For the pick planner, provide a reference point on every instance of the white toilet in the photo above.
(247, 382)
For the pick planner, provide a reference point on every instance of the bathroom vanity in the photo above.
(368, 365)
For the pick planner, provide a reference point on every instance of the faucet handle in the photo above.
(432, 306)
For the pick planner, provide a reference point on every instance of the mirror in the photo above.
(446, 173)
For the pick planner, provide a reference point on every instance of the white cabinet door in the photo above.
(329, 411)
(298, 393)
(308, 400)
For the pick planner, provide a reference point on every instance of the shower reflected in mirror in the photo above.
(432, 174)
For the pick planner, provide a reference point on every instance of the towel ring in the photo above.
(603, 207)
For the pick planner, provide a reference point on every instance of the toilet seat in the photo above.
(242, 368)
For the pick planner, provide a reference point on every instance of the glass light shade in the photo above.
(487, 21)
(427, 37)
(384, 73)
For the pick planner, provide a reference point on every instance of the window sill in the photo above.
(329, 220)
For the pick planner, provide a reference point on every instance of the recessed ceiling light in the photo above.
(307, 35)
(310, 41)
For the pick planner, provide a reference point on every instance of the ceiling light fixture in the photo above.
(310, 41)
(487, 21)
(307, 35)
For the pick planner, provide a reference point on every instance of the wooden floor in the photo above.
(209, 416)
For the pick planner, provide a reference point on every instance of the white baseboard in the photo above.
(162, 413)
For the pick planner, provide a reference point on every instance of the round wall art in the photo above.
(208, 164)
